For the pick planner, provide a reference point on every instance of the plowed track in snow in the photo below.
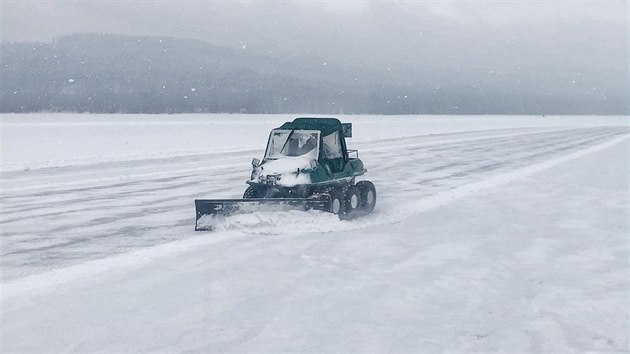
(62, 216)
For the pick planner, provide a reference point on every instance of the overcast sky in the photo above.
(572, 48)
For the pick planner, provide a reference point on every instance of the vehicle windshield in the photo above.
(293, 143)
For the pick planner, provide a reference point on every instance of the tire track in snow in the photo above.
(526, 155)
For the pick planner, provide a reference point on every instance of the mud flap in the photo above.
(210, 208)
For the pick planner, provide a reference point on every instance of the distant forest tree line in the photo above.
(135, 74)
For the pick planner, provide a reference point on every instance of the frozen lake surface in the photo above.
(491, 233)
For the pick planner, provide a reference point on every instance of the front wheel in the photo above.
(368, 196)
(337, 205)
(251, 193)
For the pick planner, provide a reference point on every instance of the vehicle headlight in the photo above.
(255, 174)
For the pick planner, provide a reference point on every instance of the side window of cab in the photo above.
(332, 146)
(333, 151)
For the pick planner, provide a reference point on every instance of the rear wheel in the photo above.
(368, 196)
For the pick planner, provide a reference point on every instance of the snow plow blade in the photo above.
(225, 207)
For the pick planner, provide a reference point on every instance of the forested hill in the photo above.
(133, 74)
(112, 73)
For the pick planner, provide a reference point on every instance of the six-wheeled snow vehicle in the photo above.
(306, 166)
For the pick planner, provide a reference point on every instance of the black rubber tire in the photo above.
(251, 193)
(352, 201)
(337, 205)
(368, 196)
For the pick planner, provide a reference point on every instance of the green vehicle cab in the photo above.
(303, 157)
(307, 157)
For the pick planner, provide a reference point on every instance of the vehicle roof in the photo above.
(325, 125)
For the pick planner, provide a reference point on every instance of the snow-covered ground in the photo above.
(494, 234)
